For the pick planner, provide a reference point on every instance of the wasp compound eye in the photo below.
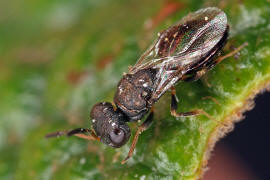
(110, 125)
(117, 136)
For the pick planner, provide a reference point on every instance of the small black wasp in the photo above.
(183, 52)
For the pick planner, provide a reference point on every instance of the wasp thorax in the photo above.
(133, 93)
(110, 125)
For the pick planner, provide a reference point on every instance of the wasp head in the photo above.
(110, 125)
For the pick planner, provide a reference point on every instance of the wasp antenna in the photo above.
(56, 134)
(78, 132)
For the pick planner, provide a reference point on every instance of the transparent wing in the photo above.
(182, 46)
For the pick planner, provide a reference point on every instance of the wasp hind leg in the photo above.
(144, 126)
(230, 54)
(206, 67)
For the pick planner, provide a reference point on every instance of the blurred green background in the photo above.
(58, 58)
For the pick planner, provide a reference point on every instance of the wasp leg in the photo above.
(144, 126)
(194, 77)
(205, 81)
(79, 132)
(197, 75)
(211, 98)
(218, 60)
(174, 105)
(206, 67)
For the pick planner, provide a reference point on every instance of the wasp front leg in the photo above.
(144, 126)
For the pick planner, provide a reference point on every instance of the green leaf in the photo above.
(60, 58)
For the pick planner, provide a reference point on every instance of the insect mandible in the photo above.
(183, 52)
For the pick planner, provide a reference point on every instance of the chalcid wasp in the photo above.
(183, 52)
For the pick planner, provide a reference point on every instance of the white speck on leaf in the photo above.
(82, 161)
(142, 177)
